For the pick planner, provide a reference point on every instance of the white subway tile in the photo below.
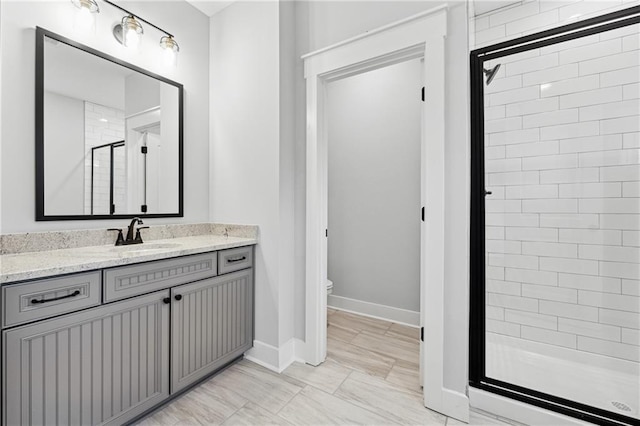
(550, 206)
(609, 63)
(620, 173)
(503, 287)
(573, 266)
(570, 131)
(494, 272)
(631, 140)
(513, 260)
(550, 75)
(505, 83)
(572, 85)
(550, 249)
(593, 143)
(631, 238)
(515, 95)
(610, 110)
(620, 270)
(494, 232)
(591, 329)
(590, 236)
(481, 23)
(554, 4)
(503, 125)
(516, 136)
(495, 112)
(531, 192)
(569, 310)
(532, 64)
(501, 327)
(610, 205)
(513, 302)
(514, 13)
(618, 77)
(591, 51)
(619, 157)
(545, 292)
(579, 9)
(516, 178)
(620, 302)
(631, 337)
(532, 107)
(620, 32)
(490, 34)
(532, 149)
(531, 276)
(548, 336)
(503, 246)
(503, 165)
(620, 221)
(511, 219)
(592, 97)
(589, 282)
(631, 42)
(550, 162)
(620, 318)
(569, 220)
(515, 57)
(495, 152)
(619, 125)
(495, 313)
(551, 118)
(613, 349)
(590, 190)
(538, 21)
(532, 234)
(570, 175)
(629, 91)
(612, 253)
(531, 319)
(503, 206)
(571, 44)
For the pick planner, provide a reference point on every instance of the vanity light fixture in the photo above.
(130, 32)
(84, 19)
(170, 50)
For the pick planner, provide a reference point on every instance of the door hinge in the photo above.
(113, 208)
(422, 334)
(422, 93)
(143, 208)
(423, 214)
(143, 149)
(326, 233)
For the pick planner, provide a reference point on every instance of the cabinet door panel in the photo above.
(101, 366)
(211, 324)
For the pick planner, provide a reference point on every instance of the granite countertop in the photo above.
(26, 266)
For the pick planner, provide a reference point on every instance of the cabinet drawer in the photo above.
(48, 297)
(235, 259)
(127, 281)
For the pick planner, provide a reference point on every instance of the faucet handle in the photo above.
(120, 239)
(138, 236)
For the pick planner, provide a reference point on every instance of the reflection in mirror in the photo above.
(111, 136)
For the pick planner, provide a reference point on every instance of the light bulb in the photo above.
(170, 51)
(131, 32)
(84, 18)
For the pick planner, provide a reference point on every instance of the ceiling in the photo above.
(210, 7)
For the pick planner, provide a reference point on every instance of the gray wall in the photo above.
(374, 186)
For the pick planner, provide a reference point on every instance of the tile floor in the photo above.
(370, 377)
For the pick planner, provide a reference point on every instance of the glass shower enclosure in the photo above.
(555, 221)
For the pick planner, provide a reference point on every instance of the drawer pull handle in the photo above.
(178, 297)
(239, 259)
(74, 294)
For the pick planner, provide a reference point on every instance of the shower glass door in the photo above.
(556, 219)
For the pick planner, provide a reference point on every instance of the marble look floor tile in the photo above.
(481, 419)
(315, 407)
(269, 390)
(390, 346)
(340, 333)
(328, 376)
(359, 359)
(252, 414)
(454, 422)
(331, 311)
(412, 333)
(211, 404)
(358, 322)
(394, 403)
(405, 375)
(171, 415)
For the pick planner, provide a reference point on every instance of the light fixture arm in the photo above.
(138, 17)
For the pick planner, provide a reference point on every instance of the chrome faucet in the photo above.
(131, 239)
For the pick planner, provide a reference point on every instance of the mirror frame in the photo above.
(41, 33)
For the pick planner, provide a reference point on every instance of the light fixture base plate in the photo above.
(117, 33)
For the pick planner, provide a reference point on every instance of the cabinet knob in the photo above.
(166, 300)
(178, 297)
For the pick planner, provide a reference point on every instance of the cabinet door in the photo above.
(211, 324)
(100, 366)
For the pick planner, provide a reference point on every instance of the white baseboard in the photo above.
(456, 405)
(388, 313)
(275, 359)
(511, 409)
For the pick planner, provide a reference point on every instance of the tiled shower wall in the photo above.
(562, 159)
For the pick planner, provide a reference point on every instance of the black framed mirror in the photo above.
(109, 136)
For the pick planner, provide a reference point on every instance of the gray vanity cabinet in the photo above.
(211, 324)
(104, 365)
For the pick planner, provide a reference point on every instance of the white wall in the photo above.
(374, 186)
(18, 22)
